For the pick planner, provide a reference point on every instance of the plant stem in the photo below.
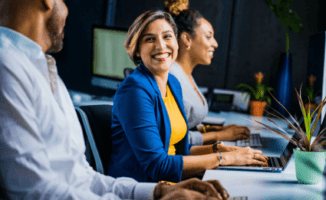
(287, 39)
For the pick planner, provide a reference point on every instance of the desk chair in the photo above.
(96, 124)
(3, 195)
(127, 71)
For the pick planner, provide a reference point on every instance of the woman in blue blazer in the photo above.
(141, 122)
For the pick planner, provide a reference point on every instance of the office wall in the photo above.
(257, 40)
(250, 39)
(74, 61)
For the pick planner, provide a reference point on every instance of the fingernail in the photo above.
(219, 196)
(225, 193)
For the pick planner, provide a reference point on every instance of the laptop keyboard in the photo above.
(253, 141)
(238, 198)
(274, 162)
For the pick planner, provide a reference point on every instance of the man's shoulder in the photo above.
(15, 67)
(12, 57)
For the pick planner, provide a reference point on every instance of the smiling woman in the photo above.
(196, 47)
(149, 125)
(158, 47)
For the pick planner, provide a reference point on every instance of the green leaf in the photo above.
(268, 2)
(270, 89)
(295, 23)
(284, 4)
(242, 85)
(269, 101)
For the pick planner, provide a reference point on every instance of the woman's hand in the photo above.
(230, 132)
(227, 148)
(191, 189)
(244, 156)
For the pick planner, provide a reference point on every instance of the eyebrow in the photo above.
(150, 34)
(210, 32)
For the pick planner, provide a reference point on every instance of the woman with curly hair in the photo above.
(196, 46)
(149, 125)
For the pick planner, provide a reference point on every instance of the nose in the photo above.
(215, 44)
(160, 43)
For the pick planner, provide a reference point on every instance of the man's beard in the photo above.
(53, 28)
(57, 43)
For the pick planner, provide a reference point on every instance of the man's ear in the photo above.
(48, 4)
(186, 38)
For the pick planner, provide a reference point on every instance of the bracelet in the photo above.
(215, 149)
(204, 128)
(220, 158)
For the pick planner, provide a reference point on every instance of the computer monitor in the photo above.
(317, 63)
(109, 56)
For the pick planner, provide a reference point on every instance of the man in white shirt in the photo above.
(41, 142)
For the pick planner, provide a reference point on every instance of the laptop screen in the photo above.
(288, 151)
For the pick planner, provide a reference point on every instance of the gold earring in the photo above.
(188, 48)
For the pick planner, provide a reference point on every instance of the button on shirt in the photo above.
(41, 141)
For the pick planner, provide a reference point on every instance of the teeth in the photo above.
(210, 53)
(160, 56)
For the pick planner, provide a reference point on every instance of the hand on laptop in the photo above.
(244, 156)
(227, 148)
(191, 189)
(230, 132)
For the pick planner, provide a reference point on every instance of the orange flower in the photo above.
(312, 80)
(259, 77)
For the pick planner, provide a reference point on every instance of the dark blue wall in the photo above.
(250, 39)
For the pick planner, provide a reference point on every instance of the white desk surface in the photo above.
(264, 185)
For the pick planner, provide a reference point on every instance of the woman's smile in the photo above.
(158, 46)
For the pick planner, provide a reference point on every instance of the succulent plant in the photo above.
(259, 93)
(310, 120)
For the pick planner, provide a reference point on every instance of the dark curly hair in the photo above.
(186, 21)
(136, 29)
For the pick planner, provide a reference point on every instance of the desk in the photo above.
(264, 185)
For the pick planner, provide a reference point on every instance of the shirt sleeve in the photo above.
(136, 113)
(195, 138)
(125, 188)
(25, 168)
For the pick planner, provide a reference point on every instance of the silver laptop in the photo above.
(213, 121)
(275, 164)
(252, 141)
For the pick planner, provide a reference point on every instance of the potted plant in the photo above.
(290, 22)
(259, 95)
(311, 94)
(309, 157)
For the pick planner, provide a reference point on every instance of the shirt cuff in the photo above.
(144, 191)
(195, 138)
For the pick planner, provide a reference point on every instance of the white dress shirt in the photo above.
(41, 141)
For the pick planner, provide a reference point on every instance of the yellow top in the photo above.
(178, 123)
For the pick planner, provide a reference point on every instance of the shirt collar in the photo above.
(21, 42)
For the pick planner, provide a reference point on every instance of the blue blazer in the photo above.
(141, 130)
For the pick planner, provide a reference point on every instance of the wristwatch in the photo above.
(215, 149)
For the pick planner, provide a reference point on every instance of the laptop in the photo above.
(213, 121)
(275, 164)
(252, 141)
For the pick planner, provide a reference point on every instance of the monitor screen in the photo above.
(109, 56)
